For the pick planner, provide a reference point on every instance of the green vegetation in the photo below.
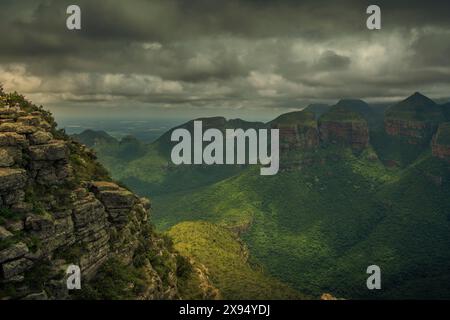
(7, 214)
(331, 221)
(114, 281)
(85, 167)
(396, 150)
(92, 138)
(305, 118)
(318, 109)
(316, 227)
(224, 256)
(14, 98)
(147, 169)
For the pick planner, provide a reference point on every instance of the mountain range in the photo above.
(358, 187)
(60, 210)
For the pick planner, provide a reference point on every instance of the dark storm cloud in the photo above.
(226, 54)
(329, 60)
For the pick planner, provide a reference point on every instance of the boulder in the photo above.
(15, 268)
(100, 186)
(30, 120)
(327, 296)
(42, 227)
(146, 203)
(4, 234)
(16, 251)
(41, 137)
(12, 139)
(36, 296)
(117, 199)
(14, 196)
(10, 126)
(9, 156)
(112, 196)
(7, 125)
(15, 225)
(9, 113)
(56, 150)
(6, 158)
(22, 207)
(22, 129)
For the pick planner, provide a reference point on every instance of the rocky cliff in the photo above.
(58, 206)
(344, 127)
(440, 145)
(299, 138)
(415, 118)
(298, 130)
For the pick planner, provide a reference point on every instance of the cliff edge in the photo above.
(58, 207)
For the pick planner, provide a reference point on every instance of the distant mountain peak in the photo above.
(352, 101)
(295, 117)
(317, 108)
(90, 137)
(417, 97)
(354, 105)
(416, 107)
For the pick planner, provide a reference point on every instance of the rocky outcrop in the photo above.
(415, 118)
(415, 131)
(440, 145)
(343, 127)
(299, 138)
(298, 131)
(59, 207)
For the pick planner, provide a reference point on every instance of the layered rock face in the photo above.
(299, 138)
(415, 118)
(415, 131)
(51, 215)
(343, 127)
(440, 145)
(298, 131)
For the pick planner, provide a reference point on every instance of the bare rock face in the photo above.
(440, 145)
(41, 137)
(343, 127)
(299, 138)
(298, 131)
(59, 207)
(12, 139)
(4, 234)
(10, 155)
(12, 179)
(55, 150)
(416, 132)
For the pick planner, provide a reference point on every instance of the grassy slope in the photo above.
(225, 258)
(152, 174)
(319, 229)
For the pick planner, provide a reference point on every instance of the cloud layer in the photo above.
(192, 56)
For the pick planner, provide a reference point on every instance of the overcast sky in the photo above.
(243, 58)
